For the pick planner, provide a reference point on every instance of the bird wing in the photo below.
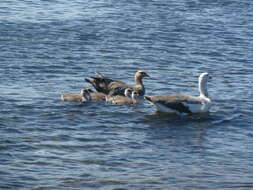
(176, 102)
(107, 85)
(118, 88)
(100, 83)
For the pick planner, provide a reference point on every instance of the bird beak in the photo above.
(146, 75)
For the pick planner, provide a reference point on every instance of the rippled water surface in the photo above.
(49, 47)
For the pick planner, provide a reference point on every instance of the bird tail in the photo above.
(89, 80)
(100, 75)
(148, 98)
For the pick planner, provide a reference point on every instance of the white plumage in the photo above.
(178, 103)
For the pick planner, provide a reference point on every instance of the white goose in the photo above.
(178, 103)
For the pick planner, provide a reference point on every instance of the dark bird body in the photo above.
(116, 87)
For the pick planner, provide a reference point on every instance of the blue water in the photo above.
(49, 47)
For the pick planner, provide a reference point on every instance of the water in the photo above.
(49, 47)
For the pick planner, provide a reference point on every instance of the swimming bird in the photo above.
(96, 96)
(125, 100)
(127, 94)
(73, 97)
(178, 103)
(116, 87)
(86, 94)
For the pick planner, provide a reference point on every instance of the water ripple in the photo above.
(49, 47)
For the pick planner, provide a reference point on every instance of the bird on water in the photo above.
(179, 103)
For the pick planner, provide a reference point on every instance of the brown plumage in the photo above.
(124, 100)
(115, 87)
(98, 96)
(83, 96)
(86, 94)
(71, 97)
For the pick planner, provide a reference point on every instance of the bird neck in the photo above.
(138, 81)
(134, 99)
(203, 88)
(127, 93)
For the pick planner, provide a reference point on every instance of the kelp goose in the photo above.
(97, 96)
(85, 95)
(125, 100)
(71, 97)
(127, 94)
(178, 103)
(115, 87)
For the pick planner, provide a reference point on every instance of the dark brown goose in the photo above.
(115, 87)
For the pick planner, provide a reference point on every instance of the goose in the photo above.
(115, 87)
(127, 94)
(125, 100)
(179, 103)
(71, 97)
(85, 94)
(96, 96)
